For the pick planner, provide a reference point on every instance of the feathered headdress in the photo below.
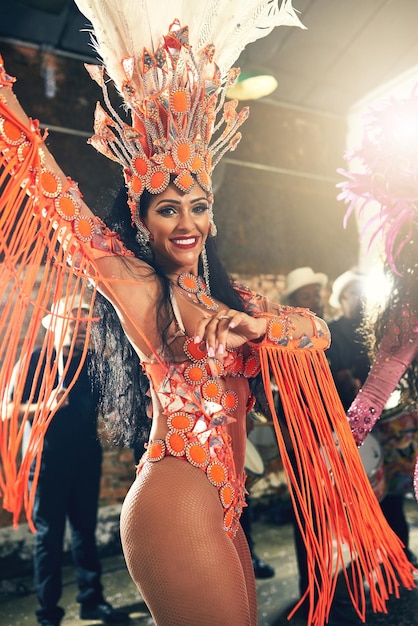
(385, 172)
(173, 84)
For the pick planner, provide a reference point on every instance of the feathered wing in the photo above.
(122, 29)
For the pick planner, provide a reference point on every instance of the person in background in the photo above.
(69, 479)
(392, 333)
(304, 288)
(349, 359)
(348, 354)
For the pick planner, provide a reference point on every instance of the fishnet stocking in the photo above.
(188, 571)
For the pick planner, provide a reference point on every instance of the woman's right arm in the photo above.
(41, 206)
(55, 198)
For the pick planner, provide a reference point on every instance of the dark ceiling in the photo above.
(350, 47)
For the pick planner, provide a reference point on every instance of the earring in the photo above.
(212, 226)
(205, 266)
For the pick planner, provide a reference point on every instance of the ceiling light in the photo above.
(253, 83)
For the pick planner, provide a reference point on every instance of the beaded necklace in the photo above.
(196, 285)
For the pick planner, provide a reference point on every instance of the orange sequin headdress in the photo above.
(174, 86)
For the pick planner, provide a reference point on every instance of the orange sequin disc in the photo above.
(275, 329)
(156, 450)
(195, 374)
(67, 207)
(197, 164)
(137, 185)
(50, 183)
(83, 227)
(226, 493)
(211, 390)
(252, 365)
(197, 454)
(184, 181)
(183, 153)
(11, 133)
(229, 400)
(140, 166)
(176, 443)
(188, 282)
(157, 180)
(168, 163)
(207, 300)
(216, 473)
(180, 422)
(180, 101)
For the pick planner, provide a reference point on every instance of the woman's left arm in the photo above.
(263, 323)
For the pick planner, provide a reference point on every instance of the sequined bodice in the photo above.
(202, 400)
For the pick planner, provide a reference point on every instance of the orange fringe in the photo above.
(31, 262)
(337, 512)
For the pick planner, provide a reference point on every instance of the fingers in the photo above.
(214, 331)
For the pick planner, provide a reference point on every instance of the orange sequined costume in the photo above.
(201, 399)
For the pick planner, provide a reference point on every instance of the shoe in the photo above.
(56, 620)
(261, 569)
(103, 611)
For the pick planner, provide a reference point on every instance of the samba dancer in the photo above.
(200, 339)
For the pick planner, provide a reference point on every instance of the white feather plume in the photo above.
(122, 28)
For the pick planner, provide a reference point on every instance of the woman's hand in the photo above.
(229, 329)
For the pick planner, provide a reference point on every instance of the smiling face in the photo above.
(178, 224)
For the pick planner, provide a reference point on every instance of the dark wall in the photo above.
(72, 108)
(275, 203)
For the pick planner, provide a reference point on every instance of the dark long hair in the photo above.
(124, 388)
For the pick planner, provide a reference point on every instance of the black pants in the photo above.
(392, 507)
(66, 489)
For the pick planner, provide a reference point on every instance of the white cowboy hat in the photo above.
(340, 283)
(62, 309)
(302, 276)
